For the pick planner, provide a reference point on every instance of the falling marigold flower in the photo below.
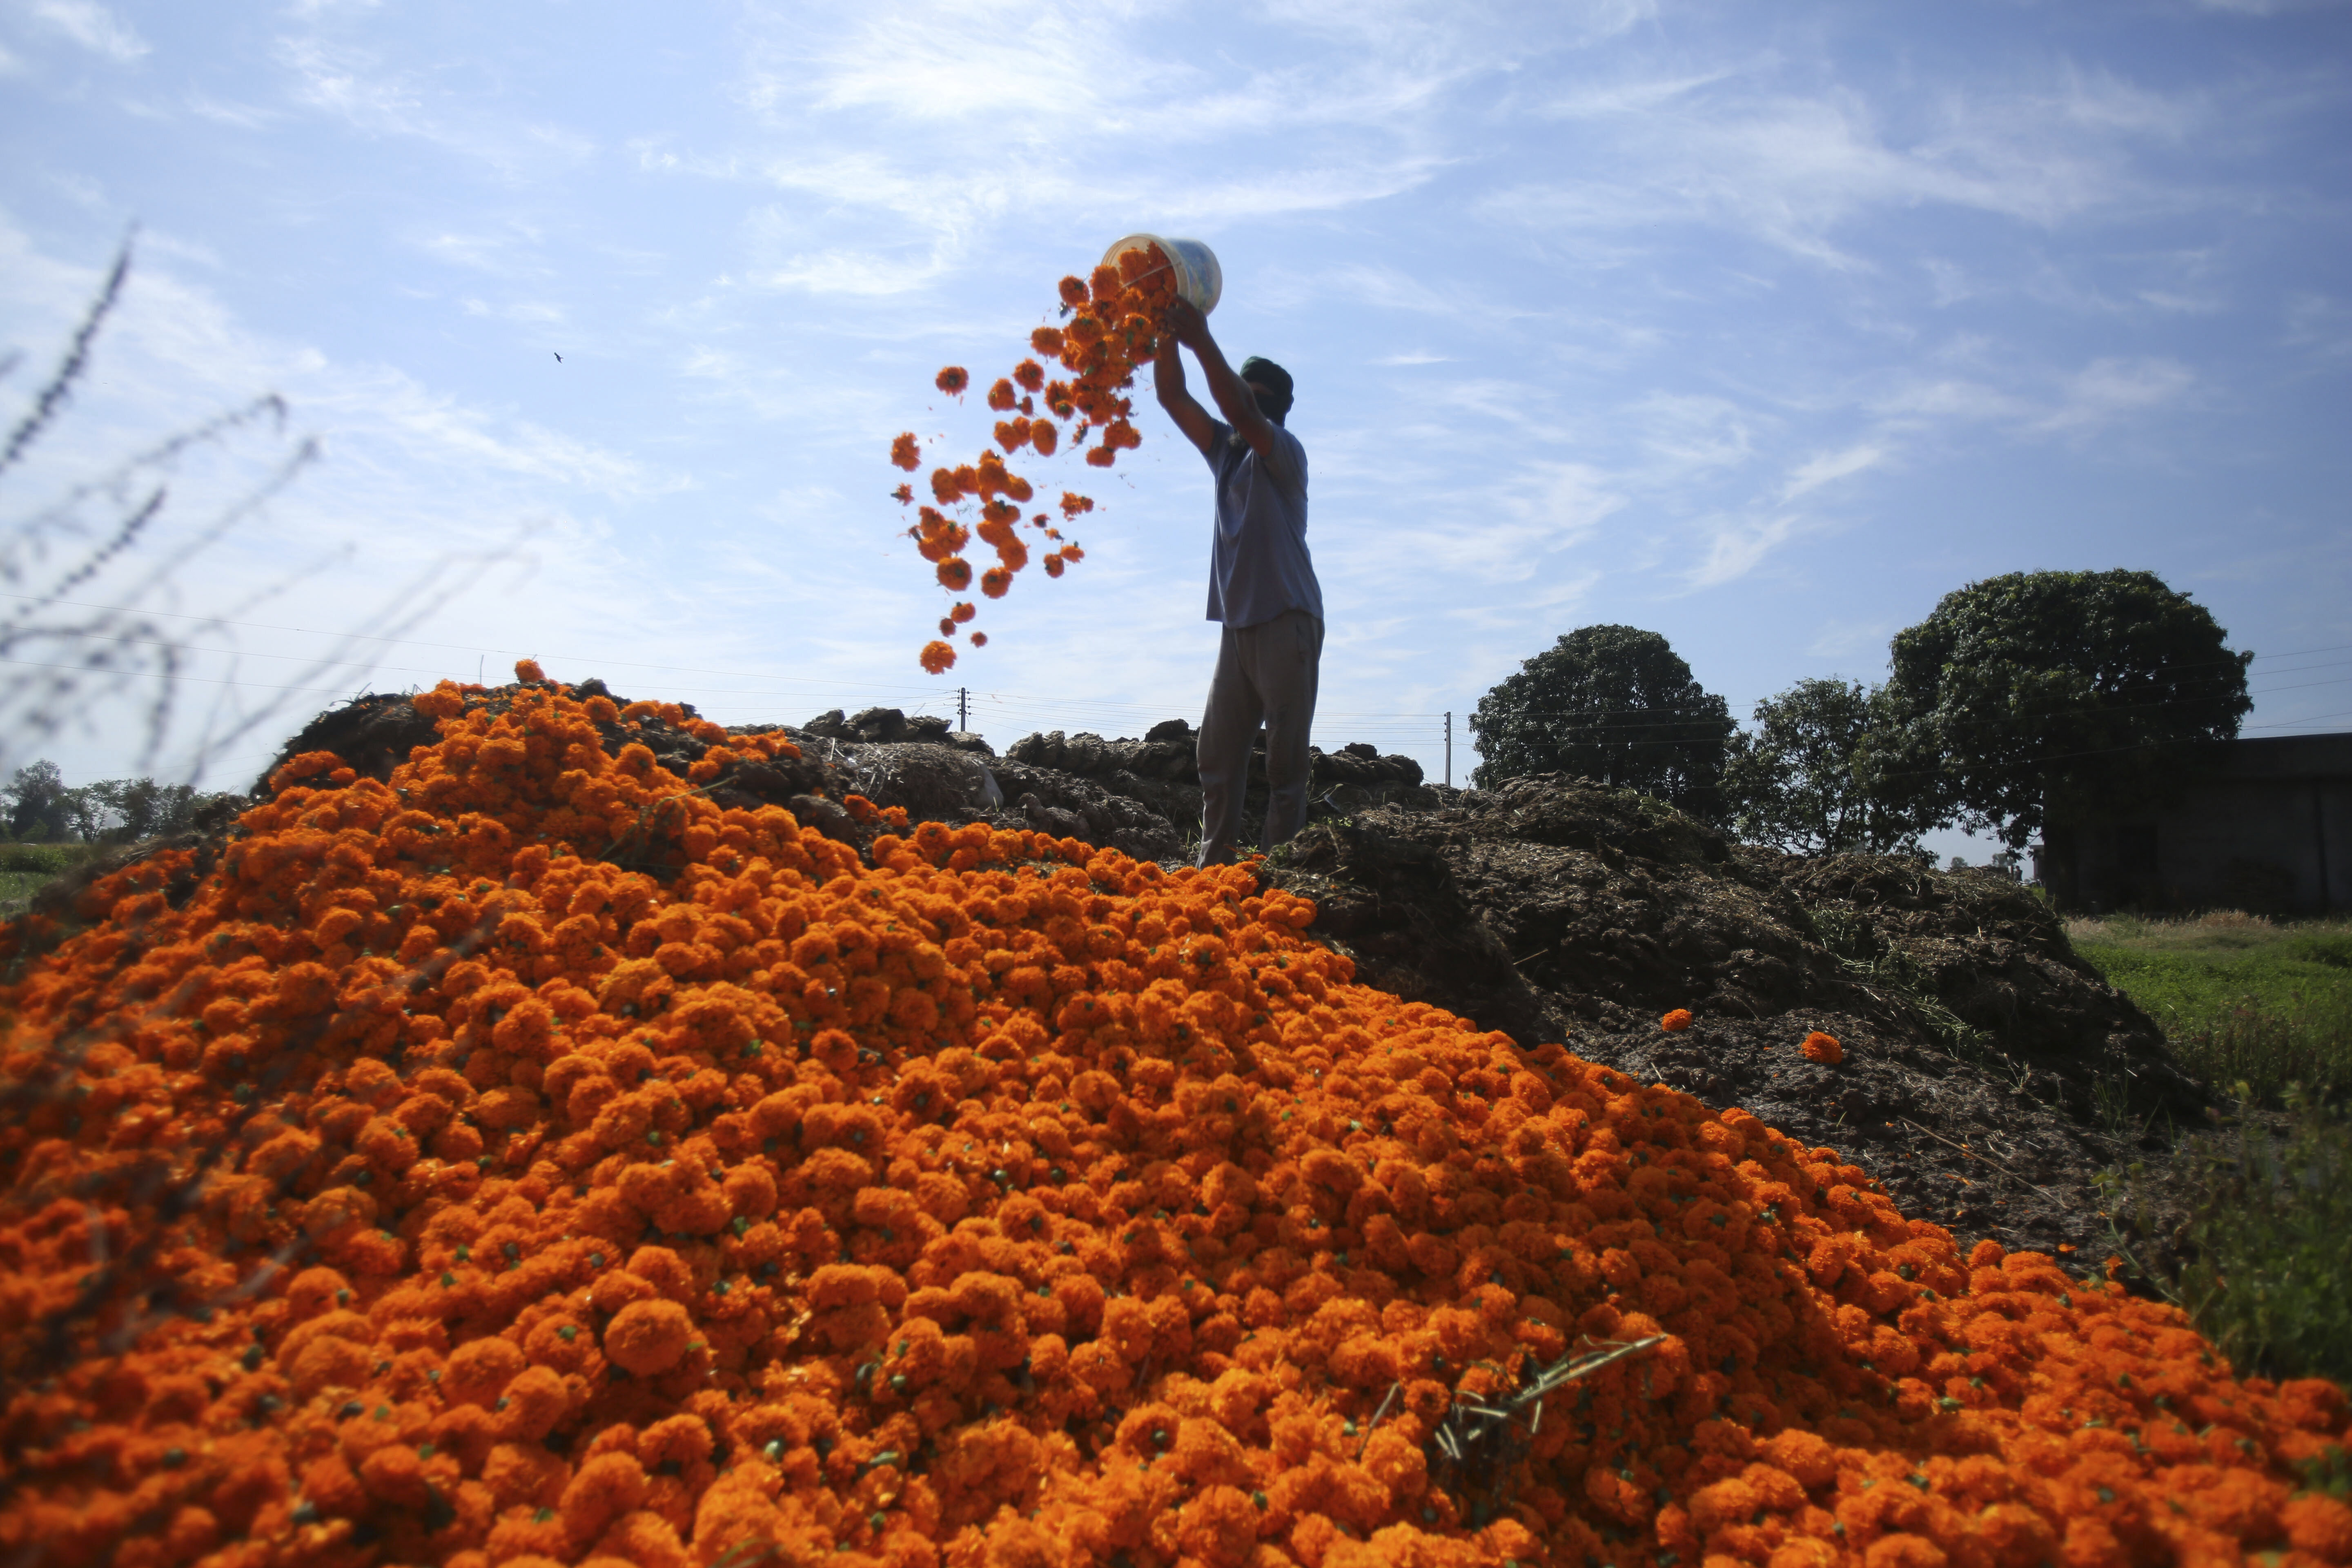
(947, 627)
(980, 639)
(1680, 1019)
(1824, 1049)
(1046, 340)
(903, 494)
(994, 581)
(955, 574)
(953, 380)
(1045, 436)
(1013, 434)
(938, 657)
(1002, 396)
(905, 451)
(1074, 292)
(1072, 552)
(963, 611)
(1030, 374)
(1052, 564)
(528, 671)
(1106, 286)
(1102, 457)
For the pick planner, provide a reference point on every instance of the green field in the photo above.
(2263, 1012)
(24, 867)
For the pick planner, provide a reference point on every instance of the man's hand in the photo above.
(1183, 318)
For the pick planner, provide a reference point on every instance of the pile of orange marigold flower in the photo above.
(409, 1184)
(1110, 327)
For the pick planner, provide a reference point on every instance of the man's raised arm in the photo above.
(1168, 381)
(1234, 400)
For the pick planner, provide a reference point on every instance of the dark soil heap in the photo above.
(1989, 1073)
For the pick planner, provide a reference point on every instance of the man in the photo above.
(1261, 585)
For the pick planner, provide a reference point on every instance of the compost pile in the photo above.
(540, 1154)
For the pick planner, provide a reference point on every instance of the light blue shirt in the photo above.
(1258, 565)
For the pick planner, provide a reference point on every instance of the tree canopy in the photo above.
(1801, 780)
(2053, 696)
(1612, 703)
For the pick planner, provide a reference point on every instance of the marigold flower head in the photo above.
(955, 574)
(1002, 396)
(1030, 374)
(963, 611)
(905, 451)
(980, 639)
(1680, 1019)
(1045, 436)
(1074, 292)
(1822, 1047)
(903, 494)
(1102, 457)
(994, 581)
(1013, 434)
(953, 380)
(1052, 564)
(528, 671)
(947, 628)
(938, 657)
(1046, 340)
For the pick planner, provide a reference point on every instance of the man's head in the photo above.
(1270, 384)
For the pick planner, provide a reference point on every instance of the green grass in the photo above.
(2269, 1272)
(2260, 1010)
(24, 867)
(2263, 1012)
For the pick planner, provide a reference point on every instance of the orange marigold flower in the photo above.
(994, 581)
(947, 627)
(953, 380)
(527, 670)
(1106, 282)
(905, 451)
(980, 639)
(1102, 457)
(1052, 564)
(963, 611)
(1821, 1047)
(1044, 435)
(938, 657)
(903, 494)
(1680, 1019)
(1002, 396)
(1013, 434)
(1072, 552)
(955, 574)
(1074, 292)
(1046, 340)
(1030, 374)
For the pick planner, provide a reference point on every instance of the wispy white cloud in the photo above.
(1815, 472)
(1735, 547)
(2111, 388)
(93, 26)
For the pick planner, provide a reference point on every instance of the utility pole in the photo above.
(1449, 748)
(963, 706)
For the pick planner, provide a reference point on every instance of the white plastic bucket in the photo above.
(1198, 277)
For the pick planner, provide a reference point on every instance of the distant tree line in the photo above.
(2020, 699)
(37, 807)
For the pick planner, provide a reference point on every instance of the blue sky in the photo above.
(1761, 327)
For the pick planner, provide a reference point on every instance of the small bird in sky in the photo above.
(559, 358)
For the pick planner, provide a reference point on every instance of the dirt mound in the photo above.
(1989, 1073)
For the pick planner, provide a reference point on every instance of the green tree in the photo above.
(1612, 703)
(2047, 697)
(1802, 779)
(38, 805)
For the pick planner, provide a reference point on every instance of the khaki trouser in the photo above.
(1266, 673)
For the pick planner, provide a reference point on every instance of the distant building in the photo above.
(2268, 829)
